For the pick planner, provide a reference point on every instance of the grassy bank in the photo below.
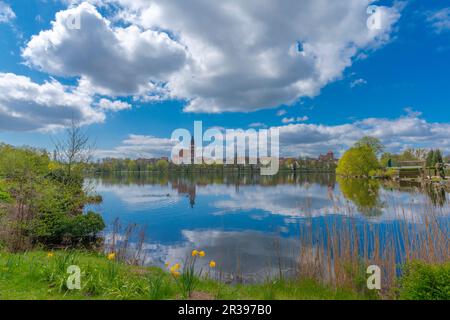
(42, 275)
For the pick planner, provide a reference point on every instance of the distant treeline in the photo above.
(162, 165)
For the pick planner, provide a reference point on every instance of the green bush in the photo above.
(82, 226)
(421, 281)
(5, 197)
(57, 228)
(383, 173)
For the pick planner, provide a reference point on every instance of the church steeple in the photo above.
(192, 150)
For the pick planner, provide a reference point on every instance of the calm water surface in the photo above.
(251, 225)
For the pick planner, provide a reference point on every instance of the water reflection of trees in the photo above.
(436, 193)
(204, 179)
(187, 183)
(364, 193)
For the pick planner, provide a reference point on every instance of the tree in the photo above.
(437, 157)
(372, 142)
(430, 158)
(358, 162)
(408, 155)
(420, 153)
(162, 165)
(434, 157)
(387, 159)
(75, 149)
(22, 169)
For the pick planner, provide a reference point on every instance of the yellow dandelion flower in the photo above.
(50, 254)
(111, 256)
(194, 253)
(212, 264)
(201, 253)
(167, 264)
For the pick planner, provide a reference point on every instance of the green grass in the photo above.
(36, 276)
(423, 281)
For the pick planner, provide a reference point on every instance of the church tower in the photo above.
(192, 150)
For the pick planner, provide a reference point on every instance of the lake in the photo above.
(255, 227)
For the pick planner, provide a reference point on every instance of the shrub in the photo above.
(83, 226)
(5, 197)
(54, 228)
(421, 281)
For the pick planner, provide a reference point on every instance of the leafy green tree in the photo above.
(162, 165)
(372, 142)
(358, 162)
(387, 159)
(437, 157)
(430, 158)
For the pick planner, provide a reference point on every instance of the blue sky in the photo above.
(136, 70)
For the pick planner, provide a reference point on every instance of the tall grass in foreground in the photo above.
(348, 244)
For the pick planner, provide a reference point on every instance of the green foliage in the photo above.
(437, 157)
(5, 197)
(357, 162)
(188, 280)
(387, 160)
(22, 164)
(159, 287)
(434, 157)
(162, 165)
(421, 281)
(371, 142)
(57, 228)
(383, 173)
(430, 158)
(44, 201)
(82, 226)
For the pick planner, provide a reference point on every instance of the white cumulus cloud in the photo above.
(26, 105)
(217, 56)
(117, 105)
(114, 60)
(139, 146)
